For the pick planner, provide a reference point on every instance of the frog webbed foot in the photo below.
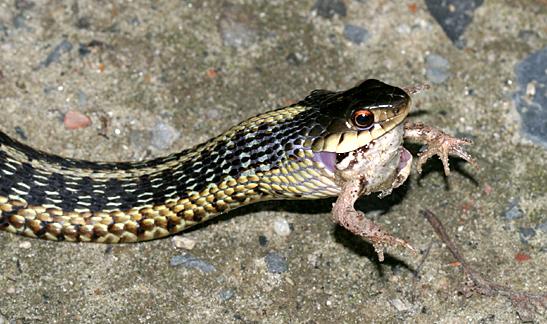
(437, 143)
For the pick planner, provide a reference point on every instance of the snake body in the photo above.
(288, 153)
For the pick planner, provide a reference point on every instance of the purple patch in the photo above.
(404, 157)
(328, 159)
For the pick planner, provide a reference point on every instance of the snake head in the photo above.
(349, 120)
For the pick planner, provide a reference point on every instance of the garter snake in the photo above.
(288, 153)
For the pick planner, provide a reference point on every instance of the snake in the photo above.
(286, 153)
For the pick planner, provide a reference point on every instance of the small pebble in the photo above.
(10, 290)
(356, 34)
(54, 56)
(437, 68)
(135, 21)
(522, 257)
(25, 245)
(182, 242)
(163, 136)
(82, 98)
(83, 50)
(328, 8)
(399, 305)
(282, 227)
(276, 263)
(18, 21)
(189, 261)
(21, 133)
(262, 240)
(294, 58)
(83, 23)
(528, 35)
(212, 73)
(526, 233)
(76, 120)
(226, 294)
(513, 211)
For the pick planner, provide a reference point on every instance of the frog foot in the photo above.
(438, 143)
(443, 146)
(356, 222)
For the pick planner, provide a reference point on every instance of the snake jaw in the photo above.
(326, 159)
(329, 160)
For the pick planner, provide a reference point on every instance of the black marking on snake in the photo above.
(77, 192)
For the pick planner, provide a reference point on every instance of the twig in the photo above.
(524, 302)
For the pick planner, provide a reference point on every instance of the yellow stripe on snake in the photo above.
(288, 153)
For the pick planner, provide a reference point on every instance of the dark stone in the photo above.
(528, 35)
(513, 211)
(83, 50)
(54, 56)
(526, 233)
(356, 34)
(276, 263)
(21, 133)
(18, 21)
(226, 294)
(454, 16)
(531, 96)
(135, 21)
(262, 240)
(294, 59)
(83, 23)
(328, 8)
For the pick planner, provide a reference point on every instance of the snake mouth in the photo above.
(330, 160)
(405, 159)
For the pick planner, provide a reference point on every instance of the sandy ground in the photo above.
(157, 78)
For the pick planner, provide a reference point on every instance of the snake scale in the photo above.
(288, 153)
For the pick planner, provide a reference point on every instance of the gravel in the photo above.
(276, 263)
(356, 34)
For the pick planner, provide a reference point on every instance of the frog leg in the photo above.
(438, 143)
(344, 213)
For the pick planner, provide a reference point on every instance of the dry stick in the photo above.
(520, 299)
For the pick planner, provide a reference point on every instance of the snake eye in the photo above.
(363, 118)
